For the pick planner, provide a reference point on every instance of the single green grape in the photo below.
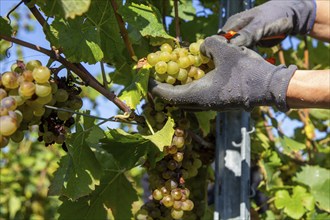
(39, 112)
(33, 64)
(178, 156)
(165, 56)
(161, 67)
(176, 194)
(200, 73)
(44, 100)
(43, 89)
(167, 201)
(152, 59)
(61, 95)
(187, 205)
(178, 141)
(192, 71)
(157, 194)
(8, 125)
(184, 62)
(181, 75)
(26, 89)
(177, 204)
(27, 76)
(41, 74)
(198, 61)
(62, 115)
(170, 79)
(191, 59)
(17, 137)
(172, 68)
(166, 48)
(3, 93)
(9, 80)
(176, 214)
(197, 163)
(194, 48)
(9, 103)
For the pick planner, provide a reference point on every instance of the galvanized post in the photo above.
(232, 165)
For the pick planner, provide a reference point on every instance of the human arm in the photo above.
(309, 89)
(321, 27)
(242, 79)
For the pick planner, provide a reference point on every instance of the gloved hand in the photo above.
(272, 18)
(242, 79)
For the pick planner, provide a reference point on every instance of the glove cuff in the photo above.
(279, 85)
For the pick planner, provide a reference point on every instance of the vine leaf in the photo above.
(203, 119)
(132, 94)
(318, 180)
(129, 148)
(290, 145)
(145, 18)
(64, 8)
(90, 38)
(296, 205)
(5, 29)
(79, 171)
(115, 192)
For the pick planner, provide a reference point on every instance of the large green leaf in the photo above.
(64, 8)
(79, 171)
(318, 179)
(115, 192)
(79, 40)
(89, 38)
(137, 90)
(145, 18)
(129, 148)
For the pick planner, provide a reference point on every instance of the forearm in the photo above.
(321, 28)
(309, 89)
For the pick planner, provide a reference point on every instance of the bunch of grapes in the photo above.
(24, 92)
(179, 65)
(170, 195)
(55, 125)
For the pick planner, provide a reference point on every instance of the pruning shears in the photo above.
(230, 34)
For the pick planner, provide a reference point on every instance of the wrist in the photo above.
(279, 84)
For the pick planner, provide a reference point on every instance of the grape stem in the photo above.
(177, 20)
(123, 30)
(104, 76)
(200, 140)
(111, 119)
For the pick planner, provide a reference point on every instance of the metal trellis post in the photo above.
(232, 165)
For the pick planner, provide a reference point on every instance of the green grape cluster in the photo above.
(167, 178)
(179, 65)
(24, 92)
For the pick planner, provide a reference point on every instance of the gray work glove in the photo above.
(242, 79)
(273, 18)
